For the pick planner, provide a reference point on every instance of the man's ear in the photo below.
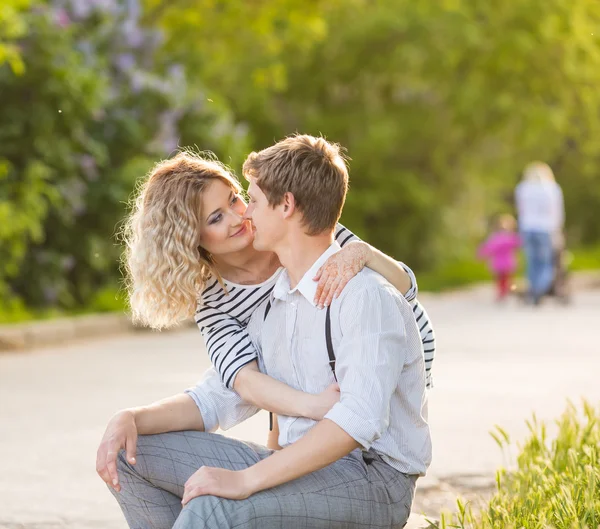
(289, 205)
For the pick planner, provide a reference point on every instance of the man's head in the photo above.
(298, 183)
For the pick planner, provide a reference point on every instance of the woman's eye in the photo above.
(216, 219)
(234, 200)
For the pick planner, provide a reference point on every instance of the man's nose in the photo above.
(248, 213)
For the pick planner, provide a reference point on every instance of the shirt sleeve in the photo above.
(219, 406)
(343, 236)
(371, 357)
(427, 338)
(227, 341)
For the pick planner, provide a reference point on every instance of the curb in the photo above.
(25, 336)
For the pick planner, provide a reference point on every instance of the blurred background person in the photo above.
(500, 250)
(540, 209)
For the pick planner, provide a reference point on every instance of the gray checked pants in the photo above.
(357, 491)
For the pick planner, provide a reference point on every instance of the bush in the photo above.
(92, 109)
(555, 484)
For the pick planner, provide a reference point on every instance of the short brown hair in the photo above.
(310, 168)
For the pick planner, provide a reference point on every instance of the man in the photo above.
(358, 466)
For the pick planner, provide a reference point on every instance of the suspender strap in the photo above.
(328, 340)
(267, 309)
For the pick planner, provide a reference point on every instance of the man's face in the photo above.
(266, 220)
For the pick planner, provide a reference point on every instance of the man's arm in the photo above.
(370, 358)
(369, 362)
(322, 445)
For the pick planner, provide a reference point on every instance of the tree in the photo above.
(92, 111)
(441, 104)
(12, 27)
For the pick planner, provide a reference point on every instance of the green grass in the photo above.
(456, 274)
(586, 258)
(108, 299)
(555, 485)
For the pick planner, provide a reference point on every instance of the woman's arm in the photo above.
(275, 396)
(355, 255)
(392, 270)
(233, 355)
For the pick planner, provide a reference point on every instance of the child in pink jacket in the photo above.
(500, 250)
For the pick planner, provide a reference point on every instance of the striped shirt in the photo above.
(222, 318)
(379, 365)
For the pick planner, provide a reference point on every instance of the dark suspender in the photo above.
(267, 309)
(328, 342)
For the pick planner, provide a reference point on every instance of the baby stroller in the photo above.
(560, 288)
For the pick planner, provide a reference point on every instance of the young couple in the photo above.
(347, 382)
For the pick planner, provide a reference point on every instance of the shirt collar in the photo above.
(306, 286)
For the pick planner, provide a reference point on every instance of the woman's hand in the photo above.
(340, 268)
(322, 402)
(121, 433)
(231, 484)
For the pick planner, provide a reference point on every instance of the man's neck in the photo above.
(300, 252)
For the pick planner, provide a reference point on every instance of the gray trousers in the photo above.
(357, 491)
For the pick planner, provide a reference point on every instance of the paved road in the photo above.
(496, 365)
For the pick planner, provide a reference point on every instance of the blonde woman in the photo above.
(190, 254)
(541, 214)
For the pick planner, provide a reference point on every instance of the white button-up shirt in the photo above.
(379, 366)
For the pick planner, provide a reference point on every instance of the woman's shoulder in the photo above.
(343, 235)
(213, 287)
(225, 291)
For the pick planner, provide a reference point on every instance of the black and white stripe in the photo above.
(222, 318)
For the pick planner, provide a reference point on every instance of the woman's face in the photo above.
(223, 229)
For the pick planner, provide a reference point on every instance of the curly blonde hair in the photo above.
(166, 269)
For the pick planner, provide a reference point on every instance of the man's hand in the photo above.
(322, 402)
(121, 432)
(230, 484)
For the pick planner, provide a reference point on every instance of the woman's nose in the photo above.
(238, 216)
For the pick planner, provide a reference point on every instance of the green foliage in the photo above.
(91, 112)
(12, 27)
(440, 104)
(556, 484)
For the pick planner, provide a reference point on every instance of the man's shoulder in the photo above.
(369, 281)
